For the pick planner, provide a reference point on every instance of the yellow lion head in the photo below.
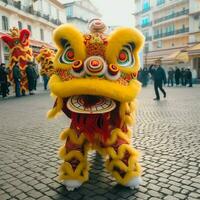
(96, 65)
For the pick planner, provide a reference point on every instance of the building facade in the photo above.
(194, 35)
(41, 17)
(80, 13)
(170, 27)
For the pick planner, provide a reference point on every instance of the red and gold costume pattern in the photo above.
(18, 43)
(45, 59)
(95, 85)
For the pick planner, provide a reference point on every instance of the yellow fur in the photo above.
(117, 40)
(93, 86)
(54, 111)
(76, 40)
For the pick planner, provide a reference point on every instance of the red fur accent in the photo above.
(91, 124)
(24, 36)
(118, 143)
(8, 40)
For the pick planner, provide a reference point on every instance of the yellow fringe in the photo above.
(121, 152)
(54, 111)
(70, 133)
(114, 136)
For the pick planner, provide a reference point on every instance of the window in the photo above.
(29, 28)
(5, 25)
(19, 25)
(146, 48)
(160, 2)
(41, 34)
(69, 11)
(159, 44)
(145, 21)
(146, 5)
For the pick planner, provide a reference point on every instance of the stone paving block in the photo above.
(34, 193)
(170, 198)
(154, 187)
(180, 196)
(166, 191)
(154, 193)
(21, 196)
(141, 195)
(175, 188)
(188, 187)
(194, 195)
(5, 196)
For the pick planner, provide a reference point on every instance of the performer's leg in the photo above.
(122, 160)
(74, 170)
(162, 90)
(156, 90)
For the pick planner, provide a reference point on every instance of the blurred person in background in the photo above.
(177, 76)
(189, 77)
(170, 77)
(17, 78)
(3, 80)
(159, 77)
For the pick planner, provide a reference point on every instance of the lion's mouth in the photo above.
(90, 104)
(92, 115)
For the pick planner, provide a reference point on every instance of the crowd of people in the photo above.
(157, 74)
(179, 76)
(31, 74)
(175, 76)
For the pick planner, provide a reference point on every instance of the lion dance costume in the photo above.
(18, 43)
(45, 59)
(95, 85)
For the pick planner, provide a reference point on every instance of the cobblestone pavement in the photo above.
(168, 137)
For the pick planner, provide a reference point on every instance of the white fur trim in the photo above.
(72, 184)
(134, 183)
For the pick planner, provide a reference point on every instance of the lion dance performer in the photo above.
(95, 85)
(18, 43)
(45, 59)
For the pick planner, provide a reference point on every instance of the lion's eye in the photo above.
(125, 58)
(68, 55)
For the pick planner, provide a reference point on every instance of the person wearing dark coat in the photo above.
(159, 78)
(145, 76)
(189, 77)
(171, 76)
(17, 78)
(31, 77)
(177, 75)
(3, 80)
(183, 77)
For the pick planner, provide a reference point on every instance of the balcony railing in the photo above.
(160, 2)
(146, 24)
(171, 16)
(30, 10)
(145, 9)
(166, 34)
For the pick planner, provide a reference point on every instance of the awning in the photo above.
(172, 56)
(194, 48)
(194, 51)
(183, 57)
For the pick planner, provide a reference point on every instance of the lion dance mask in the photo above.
(45, 59)
(18, 43)
(95, 86)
